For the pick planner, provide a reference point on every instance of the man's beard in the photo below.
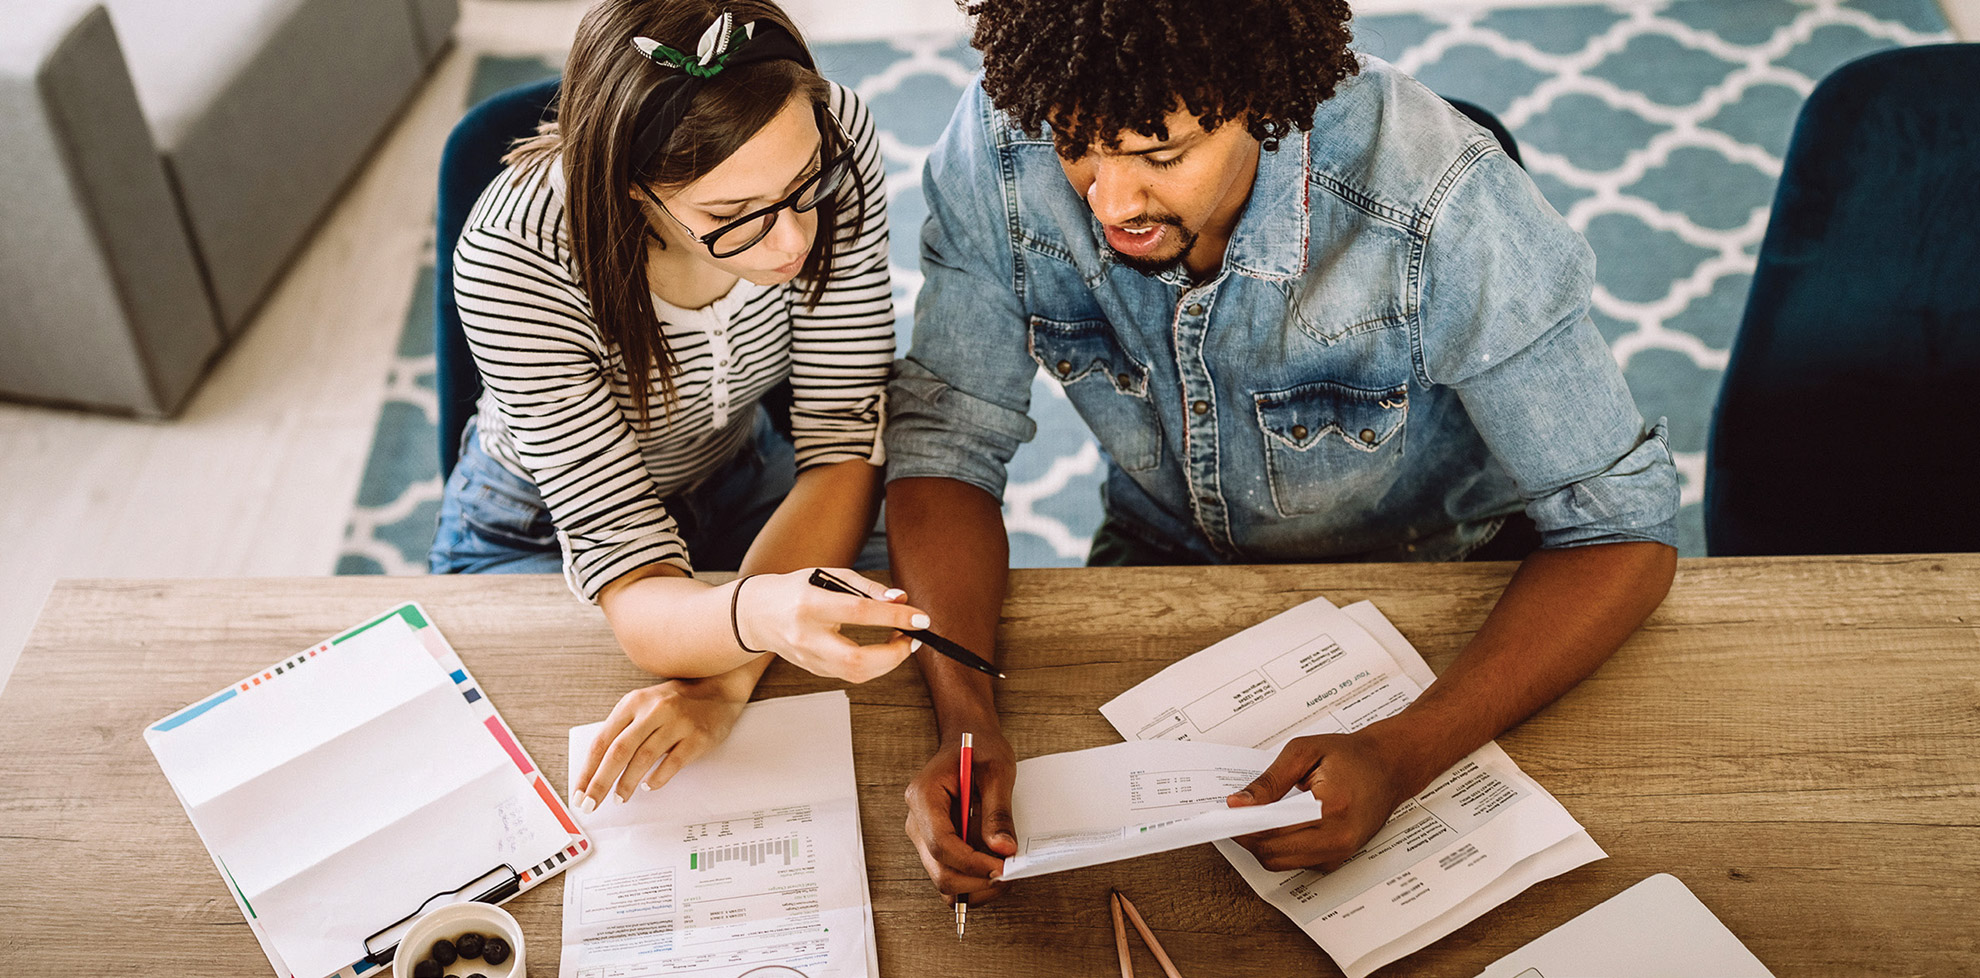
(1156, 266)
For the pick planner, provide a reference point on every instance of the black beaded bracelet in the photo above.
(735, 625)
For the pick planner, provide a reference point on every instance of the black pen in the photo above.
(823, 580)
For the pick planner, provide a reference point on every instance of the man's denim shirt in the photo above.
(1395, 354)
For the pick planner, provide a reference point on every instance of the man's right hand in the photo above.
(957, 867)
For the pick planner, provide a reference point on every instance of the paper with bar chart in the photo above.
(751, 857)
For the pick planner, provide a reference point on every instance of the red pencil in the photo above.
(962, 902)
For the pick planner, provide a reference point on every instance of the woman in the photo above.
(704, 220)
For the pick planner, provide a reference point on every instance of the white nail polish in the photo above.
(914, 646)
(587, 805)
(919, 621)
(643, 786)
(894, 592)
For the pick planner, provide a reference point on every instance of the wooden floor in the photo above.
(257, 476)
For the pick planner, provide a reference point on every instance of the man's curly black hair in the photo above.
(1095, 69)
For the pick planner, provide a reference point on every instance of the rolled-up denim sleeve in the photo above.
(957, 407)
(1504, 322)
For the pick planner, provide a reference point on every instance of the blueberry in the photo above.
(495, 950)
(428, 968)
(443, 952)
(469, 945)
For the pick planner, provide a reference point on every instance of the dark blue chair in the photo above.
(471, 160)
(1849, 419)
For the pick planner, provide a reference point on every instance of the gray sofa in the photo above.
(160, 163)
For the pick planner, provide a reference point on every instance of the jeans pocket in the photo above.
(504, 509)
(1106, 386)
(1328, 443)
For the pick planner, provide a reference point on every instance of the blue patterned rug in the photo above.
(1657, 128)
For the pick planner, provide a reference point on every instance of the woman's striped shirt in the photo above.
(557, 408)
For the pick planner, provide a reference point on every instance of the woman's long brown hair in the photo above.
(606, 84)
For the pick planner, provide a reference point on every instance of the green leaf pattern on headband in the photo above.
(712, 53)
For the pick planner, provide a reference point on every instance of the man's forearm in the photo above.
(946, 542)
(1562, 615)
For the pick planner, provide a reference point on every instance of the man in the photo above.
(1312, 314)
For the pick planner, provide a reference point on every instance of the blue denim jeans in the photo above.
(493, 521)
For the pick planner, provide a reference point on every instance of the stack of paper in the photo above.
(1481, 833)
(751, 858)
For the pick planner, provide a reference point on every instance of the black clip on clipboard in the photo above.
(507, 884)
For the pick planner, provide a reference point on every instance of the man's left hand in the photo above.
(1358, 789)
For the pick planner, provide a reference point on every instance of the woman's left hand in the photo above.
(679, 720)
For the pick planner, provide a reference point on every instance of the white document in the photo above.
(1087, 807)
(1655, 929)
(750, 857)
(321, 819)
(1478, 835)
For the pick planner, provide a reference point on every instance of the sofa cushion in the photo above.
(263, 110)
(184, 53)
(103, 303)
(435, 20)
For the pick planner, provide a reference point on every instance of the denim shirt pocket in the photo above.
(1326, 442)
(1106, 386)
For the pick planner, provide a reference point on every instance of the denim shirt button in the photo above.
(1122, 381)
(1203, 407)
(1299, 432)
(1195, 309)
(1367, 436)
(1065, 367)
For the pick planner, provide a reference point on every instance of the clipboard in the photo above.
(348, 788)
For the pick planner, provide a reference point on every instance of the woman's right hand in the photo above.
(787, 615)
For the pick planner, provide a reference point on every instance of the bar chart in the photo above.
(778, 851)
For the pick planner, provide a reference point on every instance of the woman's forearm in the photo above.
(672, 625)
(675, 626)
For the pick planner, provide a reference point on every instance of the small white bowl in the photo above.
(450, 922)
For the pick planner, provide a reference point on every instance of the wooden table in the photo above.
(1797, 739)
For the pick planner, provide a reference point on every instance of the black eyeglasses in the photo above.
(744, 232)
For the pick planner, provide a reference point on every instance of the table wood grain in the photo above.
(1798, 739)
